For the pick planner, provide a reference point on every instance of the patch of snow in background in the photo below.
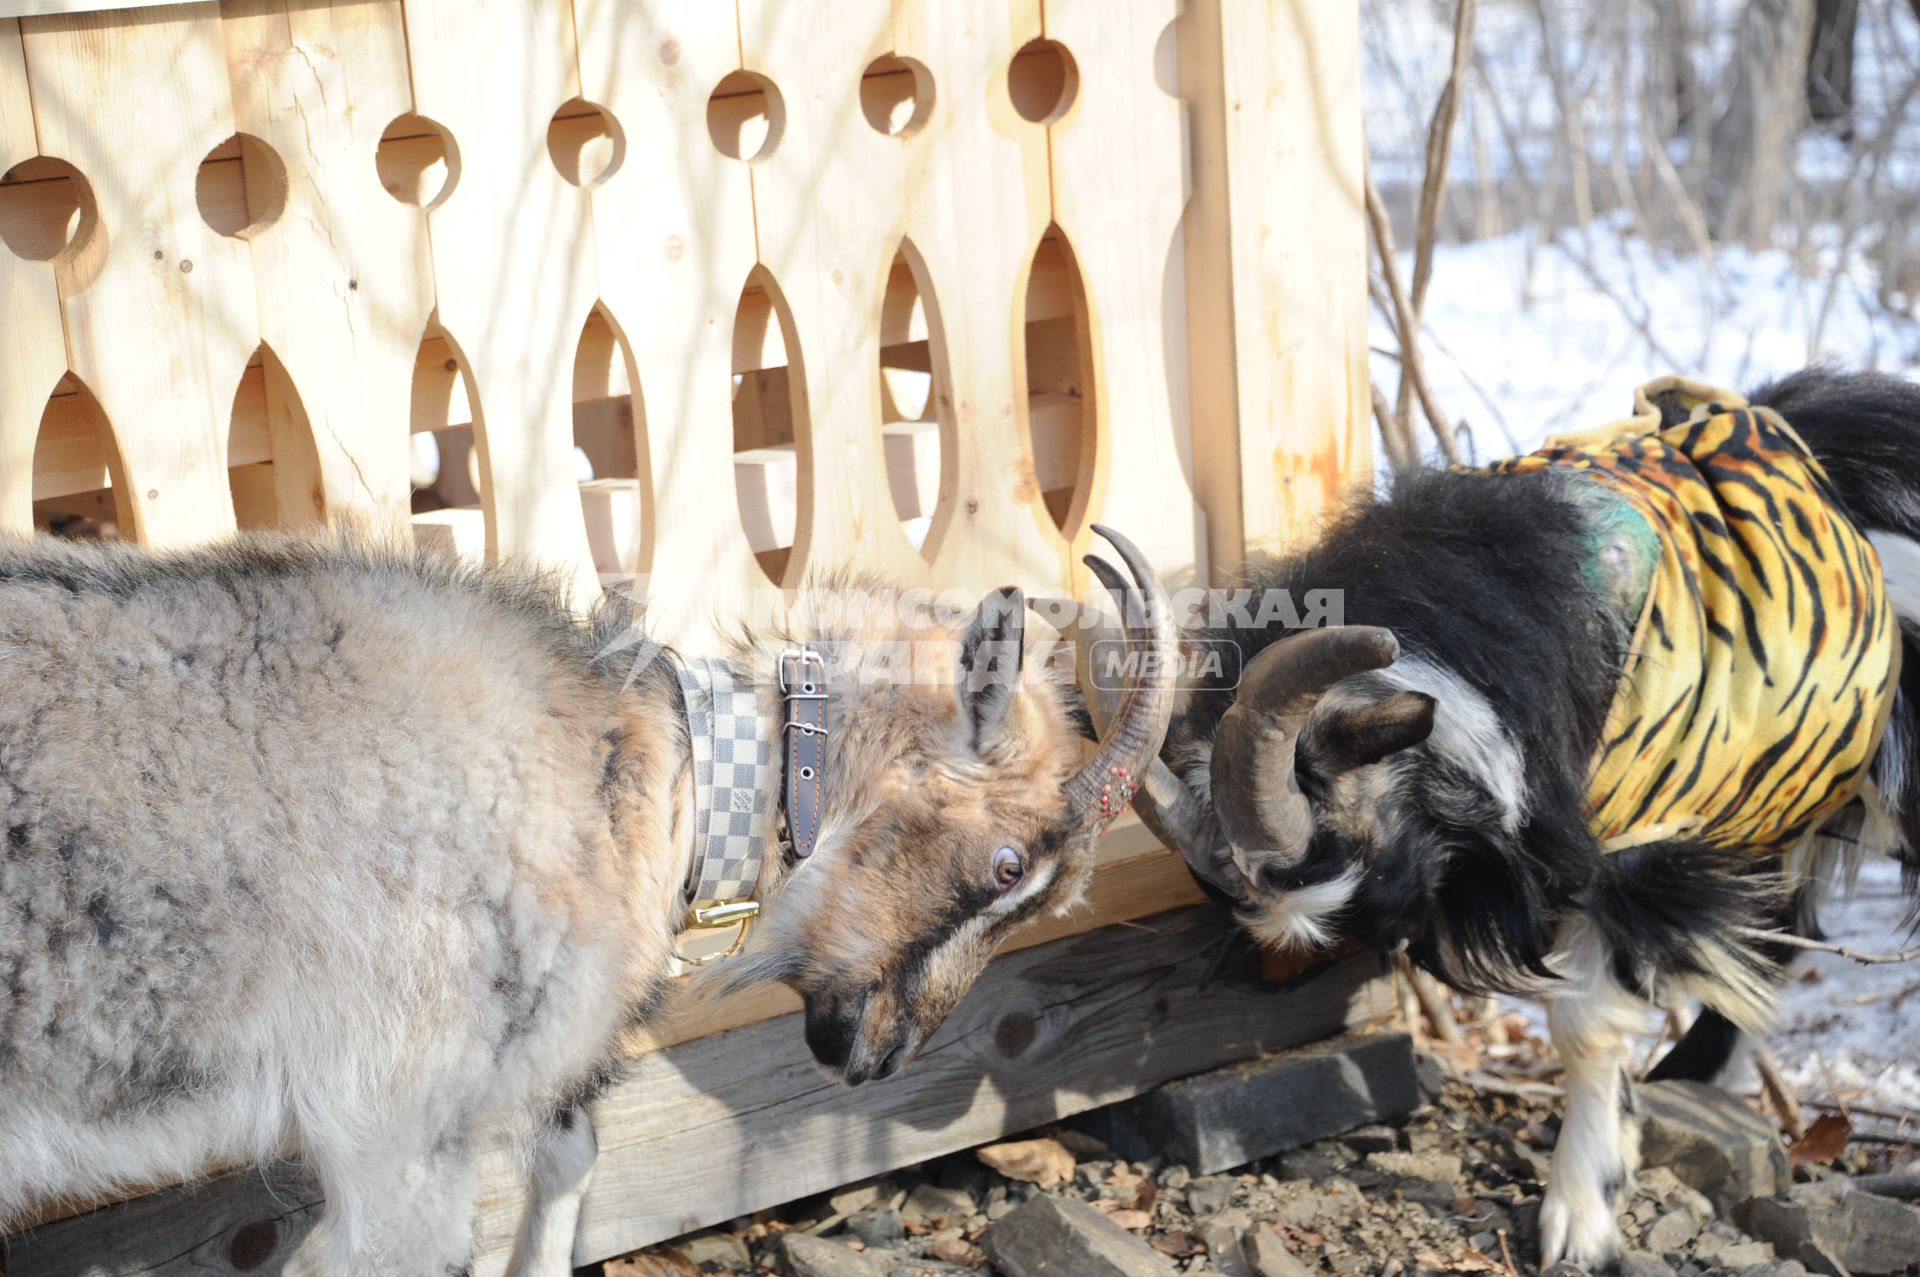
(1854, 1028)
(1525, 337)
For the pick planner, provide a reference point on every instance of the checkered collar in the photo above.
(736, 779)
(733, 782)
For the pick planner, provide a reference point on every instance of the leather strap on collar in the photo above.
(803, 687)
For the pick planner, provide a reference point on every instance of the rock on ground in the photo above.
(1835, 1229)
(1060, 1237)
(1710, 1140)
(1451, 1188)
(804, 1256)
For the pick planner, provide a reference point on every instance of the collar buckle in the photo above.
(714, 917)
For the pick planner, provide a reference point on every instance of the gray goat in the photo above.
(325, 850)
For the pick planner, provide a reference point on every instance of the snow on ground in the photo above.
(1526, 336)
(1850, 1028)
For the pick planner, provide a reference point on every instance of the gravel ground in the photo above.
(1452, 1188)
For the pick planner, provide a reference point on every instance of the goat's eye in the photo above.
(1008, 868)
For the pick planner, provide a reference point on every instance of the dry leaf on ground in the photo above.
(665, 1262)
(1825, 1140)
(1042, 1162)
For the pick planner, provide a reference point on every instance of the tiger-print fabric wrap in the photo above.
(1765, 659)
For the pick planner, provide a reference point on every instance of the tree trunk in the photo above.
(1830, 62)
(1766, 108)
(1674, 85)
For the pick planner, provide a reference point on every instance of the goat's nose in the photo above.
(891, 1065)
(833, 1031)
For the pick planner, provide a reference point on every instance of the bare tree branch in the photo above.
(1862, 956)
(1407, 325)
(1434, 178)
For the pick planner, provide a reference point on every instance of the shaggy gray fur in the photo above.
(314, 849)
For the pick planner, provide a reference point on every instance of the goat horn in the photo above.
(1101, 789)
(1256, 792)
(1167, 805)
(1288, 676)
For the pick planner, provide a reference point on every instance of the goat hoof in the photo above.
(1578, 1231)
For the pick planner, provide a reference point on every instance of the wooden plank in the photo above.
(613, 510)
(1139, 881)
(437, 396)
(827, 215)
(33, 352)
(766, 479)
(37, 8)
(671, 280)
(459, 532)
(978, 204)
(715, 1128)
(1276, 268)
(1119, 190)
(513, 254)
(345, 284)
(160, 310)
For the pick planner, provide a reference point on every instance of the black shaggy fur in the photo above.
(1486, 577)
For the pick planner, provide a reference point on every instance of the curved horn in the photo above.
(1101, 789)
(1170, 808)
(1256, 789)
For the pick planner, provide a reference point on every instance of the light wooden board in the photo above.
(1119, 189)
(716, 1128)
(828, 216)
(513, 254)
(345, 285)
(979, 200)
(36, 8)
(160, 311)
(1275, 244)
(32, 348)
(671, 282)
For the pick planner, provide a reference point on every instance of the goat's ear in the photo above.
(1340, 738)
(990, 656)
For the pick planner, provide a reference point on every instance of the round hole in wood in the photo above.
(241, 187)
(418, 161)
(1042, 80)
(46, 209)
(587, 144)
(896, 95)
(745, 116)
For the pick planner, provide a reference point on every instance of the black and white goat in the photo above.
(1419, 780)
(329, 851)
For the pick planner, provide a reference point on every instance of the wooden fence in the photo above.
(707, 295)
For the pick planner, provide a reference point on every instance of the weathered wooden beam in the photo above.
(720, 1126)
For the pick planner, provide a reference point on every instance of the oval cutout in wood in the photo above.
(448, 511)
(585, 142)
(79, 482)
(47, 209)
(273, 469)
(1060, 382)
(769, 414)
(916, 404)
(615, 492)
(896, 95)
(241, 187)
(745, 116)
(418, 161)
(1042, 80)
